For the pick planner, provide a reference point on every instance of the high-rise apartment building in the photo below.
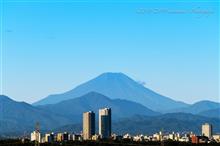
(105, 122)
(88, 125)
(207, 130)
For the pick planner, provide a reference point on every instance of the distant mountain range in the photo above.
(200, 108)
(177, 122)
(213, 113)
(118, 86)
(73, 108)
(135, 109)
(20, 116)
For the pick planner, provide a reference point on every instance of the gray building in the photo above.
(105, 122)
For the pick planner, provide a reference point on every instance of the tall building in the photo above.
(207, 130)
(88, 125)
(105, 122)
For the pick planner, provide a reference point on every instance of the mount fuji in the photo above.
(118, 86)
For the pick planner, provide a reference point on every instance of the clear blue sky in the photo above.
(50, 47)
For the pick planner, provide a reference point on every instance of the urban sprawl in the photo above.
(105, 132)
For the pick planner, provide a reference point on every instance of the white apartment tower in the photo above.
(207, 130)
(105, 122)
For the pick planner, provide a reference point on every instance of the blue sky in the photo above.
(51, 47)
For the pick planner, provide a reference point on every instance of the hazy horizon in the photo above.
(51, 47)
(140, 82)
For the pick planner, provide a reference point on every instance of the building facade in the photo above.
(49, 137)
(207, 130)
(105, 122)
(88, 125)
(36, 136)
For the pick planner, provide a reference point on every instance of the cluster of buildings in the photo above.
(105, 132)
(88, 133)
(59, 137)
(105, 124)
(206, 137)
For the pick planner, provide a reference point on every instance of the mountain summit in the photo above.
(117, 86)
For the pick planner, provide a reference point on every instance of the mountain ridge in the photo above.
(22, 116)
(117, 85)
(17, 117)
(198, 107)
(177, 122)
(94, 101)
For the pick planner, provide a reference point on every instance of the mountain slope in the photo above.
(20, 116)
(177, 122)
(73, 108)
(214, 113)
(117, 86)
(200, 107)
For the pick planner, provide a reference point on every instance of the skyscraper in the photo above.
(88, 125)
(105, 122)
(207, 130)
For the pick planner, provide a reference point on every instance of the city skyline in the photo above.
(112, 72)
(105, 133)
(49, 47)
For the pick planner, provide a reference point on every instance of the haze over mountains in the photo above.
(17, 117)
(134, 107)
(199, 107)
(20, 116)
(73, 108)
(177, 122)
(118, 86)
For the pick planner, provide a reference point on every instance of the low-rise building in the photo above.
(199, 139)
(216, 137)
(117, 137)
(96, 137)
(49, 137)
(127, 136)
(36, 136)
(59, 137)
(77, 137)
(172, 136)
(138, 138)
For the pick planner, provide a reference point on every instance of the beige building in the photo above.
(88, 125)
(59, 136)
(216, 137)
(47, 135)
(207, 130)
(36, 136)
